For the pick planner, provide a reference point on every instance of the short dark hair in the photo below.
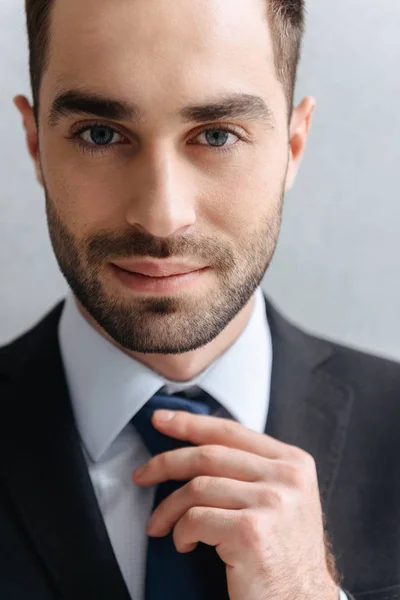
(286, 18)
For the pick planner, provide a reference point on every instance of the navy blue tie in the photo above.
(171, 575)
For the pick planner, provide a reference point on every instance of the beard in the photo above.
(171, 324)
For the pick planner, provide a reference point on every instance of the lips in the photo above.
(157, 269)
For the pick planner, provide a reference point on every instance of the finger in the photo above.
(206, 429)
(215, 492)
(212, 526)
(218, 461)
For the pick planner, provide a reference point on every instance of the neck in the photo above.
(186, 366)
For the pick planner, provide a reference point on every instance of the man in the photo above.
(165, 137)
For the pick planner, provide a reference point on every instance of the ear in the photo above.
(299, 129)
(31, 133)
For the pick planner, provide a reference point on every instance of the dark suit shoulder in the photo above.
(365, 368)
(375, 385)
(373, 381)
(354, 366)
(342, 361)
(15, 353)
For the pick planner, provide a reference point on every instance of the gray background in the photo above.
(336, 270)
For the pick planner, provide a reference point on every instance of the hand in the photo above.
(252, 497)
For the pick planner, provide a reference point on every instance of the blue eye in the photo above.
(99, 138)
(219, 137)
(99, 135)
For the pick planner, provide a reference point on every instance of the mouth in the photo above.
(157, 279)
(162, 268)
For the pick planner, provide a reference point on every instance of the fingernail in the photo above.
(164, 415)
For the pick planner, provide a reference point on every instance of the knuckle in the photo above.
(310, 477)
(270, 497)
(304, 462)
(228, 427)
(250, 530)
(192, 516)
(305, 458)
(208, 455)
(197, 486)
(162, 460)
(300, 481)
(293, 474)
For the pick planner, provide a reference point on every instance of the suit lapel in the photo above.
(309, 407)
(46, 475)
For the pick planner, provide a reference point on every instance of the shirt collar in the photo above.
(107, 387)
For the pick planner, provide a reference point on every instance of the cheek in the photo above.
(85, 196)
(244, 199)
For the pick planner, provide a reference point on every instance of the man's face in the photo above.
(156, 185)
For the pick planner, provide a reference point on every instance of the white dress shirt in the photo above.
(107, 388)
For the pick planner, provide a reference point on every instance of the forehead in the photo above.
(172, 50)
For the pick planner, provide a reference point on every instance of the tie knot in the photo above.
(155, 441)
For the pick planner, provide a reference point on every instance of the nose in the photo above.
(163, 202)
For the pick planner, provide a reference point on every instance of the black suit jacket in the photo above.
(340, 405)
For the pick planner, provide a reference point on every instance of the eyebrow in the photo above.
(74, 102)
